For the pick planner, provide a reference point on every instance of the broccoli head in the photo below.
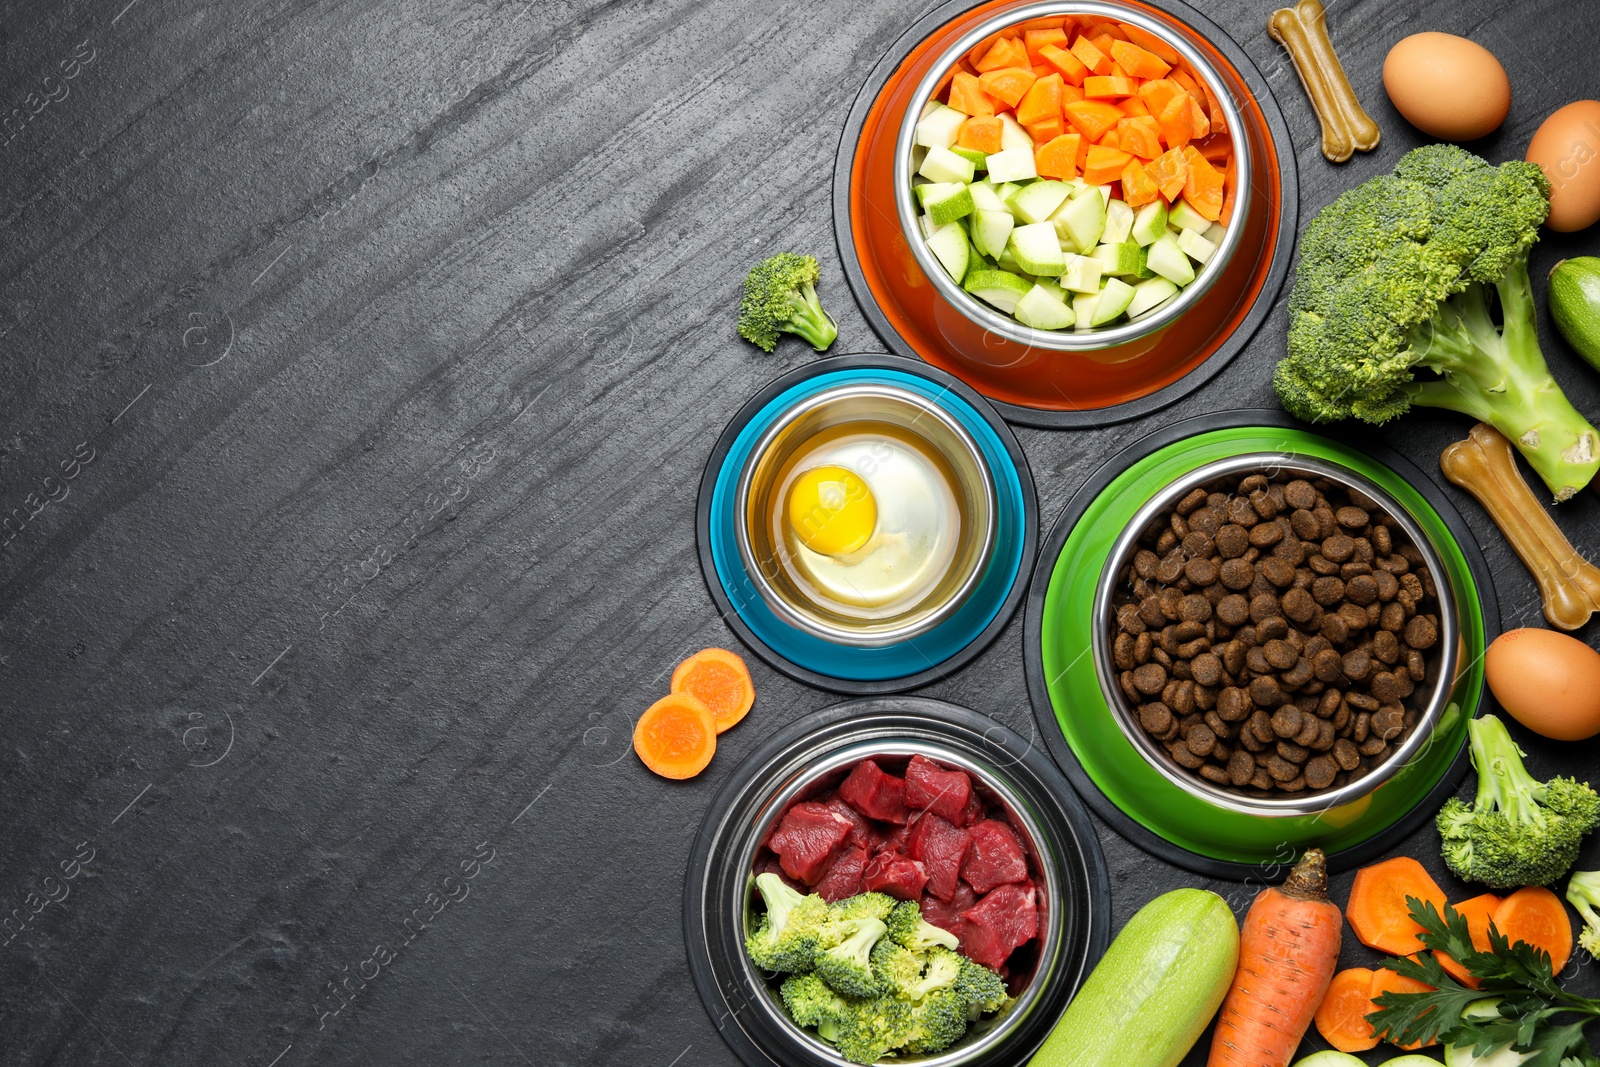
(789, 933)
(863, 906)
(1402, 274)
(811, 1002)
(1518, 831)
(980, 988)
(909, 928)
(938, 1021)
(1583, 893)
(780, 296)
(875, 1027)
(847, 966)
(897, 968)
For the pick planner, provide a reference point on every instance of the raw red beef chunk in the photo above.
(995, 858)
(939, 846)
(974, 812)
(874, 793)
(998, 923)
(898, 876)
(897, 839)
(861, 831)
(806, 837)
(932, 788)
(768, 864)
(844, 877)
(946, 915)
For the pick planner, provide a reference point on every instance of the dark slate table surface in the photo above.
(385, 343)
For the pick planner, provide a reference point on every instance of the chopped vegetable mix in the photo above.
(1074, 175)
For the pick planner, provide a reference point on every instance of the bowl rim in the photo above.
(871, 636)
(1049, 935)
(1309, 802)
(1071, 340)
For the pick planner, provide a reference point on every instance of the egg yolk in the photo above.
(831, 510)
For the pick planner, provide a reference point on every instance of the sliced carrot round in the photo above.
(675, 737)
(1537, 916)
(1386, 981)
(1477, 911)
(1342, 1016)
(719, 680)
(1377, 909)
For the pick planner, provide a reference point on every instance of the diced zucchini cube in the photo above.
(1214, 232)
(1038, 201)
(998, 287)
(1196, 247)
(1119, 259)
(946, 201)
(1080, 221)
(1012, 165)
(1012, 135)
(991, 228)
(938, 129)
(949, 247)
(1081, 275)
(943, 165)
(1150, 294)
(1083, 306)
(971, 155)
(1115, 296)
(985, 199)
(1037, 248)
(1168, 260)
(1119, 220)
(927, 224)
(1184, 217)
(1149, 222)
(1043, 310)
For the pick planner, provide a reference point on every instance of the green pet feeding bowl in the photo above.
(1127, 779)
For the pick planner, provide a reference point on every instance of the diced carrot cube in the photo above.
(1097, 61)
(1202, 184)
(1058, 157)
(1217, 149)
(1008, 84)
(1108, 87)
(1176, 120)
(1111, 139)
(1116, 71)
(1005, 52)
(1139, 62)
(981, 133)
(1106, 27)
(1092, 118)
(1198, 119)
(1133, 107)
(1042, 100)
(1142, 137)
(1150, 42)
(1042, 70)
(1102, 41)
(1044, 22)
(1070, 66)
(1168, 171)
(1137, 187)
(1158, 93)
(1070, 94)
(1106, 165)
(1046, 129)
(967, 96)
(1034, 40)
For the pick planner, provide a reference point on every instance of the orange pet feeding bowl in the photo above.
(1032, 381)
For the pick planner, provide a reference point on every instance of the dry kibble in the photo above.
(1270, 632)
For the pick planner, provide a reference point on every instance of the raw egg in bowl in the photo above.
(868, 515)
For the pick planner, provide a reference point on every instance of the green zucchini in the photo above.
(1575, 304)
(1156, 988)
(1331, 1058)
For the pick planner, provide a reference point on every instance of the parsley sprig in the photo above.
(1535, 1015)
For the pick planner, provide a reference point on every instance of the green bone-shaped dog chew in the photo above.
(1154, 991)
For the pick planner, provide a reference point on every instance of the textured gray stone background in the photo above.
(398, 334)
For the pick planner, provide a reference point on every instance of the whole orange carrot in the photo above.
(1288, 949)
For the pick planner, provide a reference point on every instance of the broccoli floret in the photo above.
(897, 968)
(1583, 893)
(874, 1028)
(979, 988)
(863, 906)
(909, 928)
(811, 1002)
(780, 296)
(788, 936)
(1519, 831)
(1396, 276)
(939, 1021)
(847, 966)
